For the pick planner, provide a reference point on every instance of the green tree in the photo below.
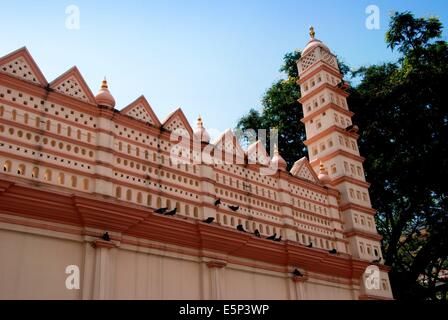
(402, 111)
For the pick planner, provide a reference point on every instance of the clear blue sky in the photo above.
(214, 58)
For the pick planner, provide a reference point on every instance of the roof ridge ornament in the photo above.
(104, 97)
(104, 84)
(312, 33)
(200, 123)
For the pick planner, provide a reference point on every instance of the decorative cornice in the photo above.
(104, 244)
(316, 91)
(363, 234)
(216, 264)
(322, 67)
(138, 221)
(329, 105)
(297, 279)
(329, 130)
(357, 207)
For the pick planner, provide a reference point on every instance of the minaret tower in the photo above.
(332, 147)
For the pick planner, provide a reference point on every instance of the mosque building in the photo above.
(94, 189)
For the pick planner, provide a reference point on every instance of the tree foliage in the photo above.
(402, 110)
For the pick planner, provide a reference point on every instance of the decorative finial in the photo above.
(199, 121)
(323, 174)
(322, 167)
(104, 84)
(312, 33)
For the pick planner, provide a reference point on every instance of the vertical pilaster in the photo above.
(299, 288)
(285, 208)
(101, 279)
(88, 271)
(216, 269)
(104, 153)
(208, 190)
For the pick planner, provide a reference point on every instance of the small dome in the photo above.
(313, 43)
(277, 160)
(104, 97)
(200, 133)
(323, 174)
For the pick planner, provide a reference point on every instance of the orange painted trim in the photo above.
(76, 104)
(74, 72)
(323, 62)
(357, 207)
(100, 213)
(48, 164)
(46, 134)
(146, 189)
(322, 67)
(38, 112)
(131, 123)
(319, 89)
(23, 52)
(363, 234)
(329, 105)
(51, 152)
(351, 180)
(46, 95)
(242, 178)
(335, 154)
(291, 179)
(142, 100)
(38, 225)
(104, 244)
(328, 131)
(281, 224)
(216, 264)
(14, 83)
(178, 112)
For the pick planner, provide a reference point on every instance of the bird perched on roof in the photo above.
(240, 228)
(352, 128)
(105, 236)
(333, 251)
(209, 220)
(297, 273)
(161, 210)
(234, 208)
(343, 85)
(171, 213)
(272, 237)
(217, 202)
(278, 239)
(310, 245)
(257, 233)
(377, 260)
